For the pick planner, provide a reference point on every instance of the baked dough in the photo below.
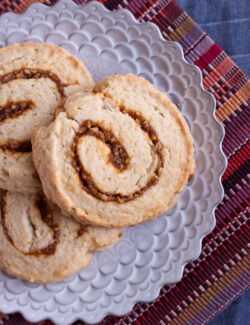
(40, 245)
(117, 157)
(33, 80)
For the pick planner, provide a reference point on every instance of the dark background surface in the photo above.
(228, 23)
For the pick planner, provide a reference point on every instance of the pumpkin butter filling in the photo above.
(46, 216)
(14, 109)
(118, 157)
(27, 73)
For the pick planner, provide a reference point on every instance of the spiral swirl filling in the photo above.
(46, 216)
(13, 109)
(27, 73)
(118, 157)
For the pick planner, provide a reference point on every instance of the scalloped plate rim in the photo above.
(26, 311)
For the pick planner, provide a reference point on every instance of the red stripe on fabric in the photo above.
(171, 12)
(208, 57)
(238, 159)
(166, 16)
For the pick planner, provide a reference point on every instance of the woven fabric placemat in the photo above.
(219, 275)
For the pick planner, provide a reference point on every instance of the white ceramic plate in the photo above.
(153, 254)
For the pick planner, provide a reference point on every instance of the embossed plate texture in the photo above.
(155, 253)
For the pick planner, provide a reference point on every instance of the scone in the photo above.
(117, 157)
(33, 80)
(40, 245)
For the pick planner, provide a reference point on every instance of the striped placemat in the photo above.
(220, 275)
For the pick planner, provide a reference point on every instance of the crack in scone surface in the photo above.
(13, 109)
(46, 216)
(118, 156)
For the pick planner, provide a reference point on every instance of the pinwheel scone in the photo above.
(33, 80)
(40, 245)
(116, 157)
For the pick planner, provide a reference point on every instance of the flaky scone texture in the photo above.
(116, 157)
(38, 244)
(33, 80)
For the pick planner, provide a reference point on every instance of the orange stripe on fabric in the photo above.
(212, 292)
(233, 103)
(226, 65)
(182, 30)
(25, 4)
